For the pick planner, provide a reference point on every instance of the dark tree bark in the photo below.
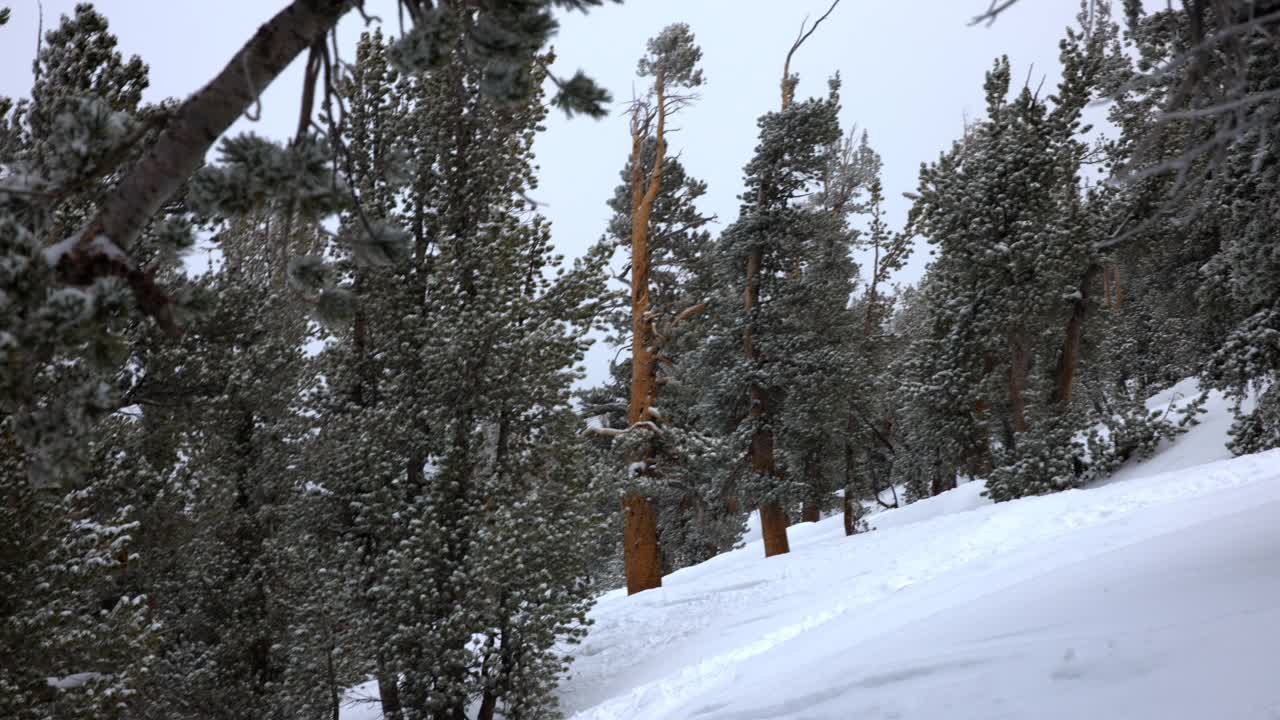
(1069, 357)
(389, 694)
(180, 149)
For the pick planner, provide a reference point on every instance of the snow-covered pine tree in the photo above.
(870, 441)
(217, 579)
(1227, 221)
(1000, 207)
(785, 258)
(149, 159)
(664, 462)
(78, 636)
(446, 451)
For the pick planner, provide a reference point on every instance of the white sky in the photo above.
(912, 70)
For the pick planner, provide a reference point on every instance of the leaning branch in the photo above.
(180, 149)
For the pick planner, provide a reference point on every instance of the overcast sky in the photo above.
(912, 72)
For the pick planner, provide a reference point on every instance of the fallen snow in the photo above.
(1153, 595)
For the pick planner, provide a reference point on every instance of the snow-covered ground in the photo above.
(1153, 595)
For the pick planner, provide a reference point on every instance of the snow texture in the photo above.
(1153, 595)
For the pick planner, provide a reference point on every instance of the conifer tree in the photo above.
(447, 456)
(78, 638)
(671, 61)
(778, 257)
(694, 517)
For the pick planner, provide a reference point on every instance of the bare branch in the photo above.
(788, 88)
(993, 12)
(180, 149)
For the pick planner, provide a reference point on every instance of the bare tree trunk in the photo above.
(810, 512)
(641, 556)
(850, 513)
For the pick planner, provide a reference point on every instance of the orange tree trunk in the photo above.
(642, 559)
(640, 544)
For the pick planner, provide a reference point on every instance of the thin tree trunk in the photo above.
(641, 557)
(1018, 364)
(850, 515)
(1069, 357)
(850, 520)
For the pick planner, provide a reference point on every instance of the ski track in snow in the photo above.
(668, 652)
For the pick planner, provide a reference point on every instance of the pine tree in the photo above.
(778, 256)
(447, 438)
(79, 638)
(656, 220)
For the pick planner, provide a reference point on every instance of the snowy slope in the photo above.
(1154, 595)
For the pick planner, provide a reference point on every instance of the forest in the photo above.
(357, 447)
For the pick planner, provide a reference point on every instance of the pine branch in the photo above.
(101, 248)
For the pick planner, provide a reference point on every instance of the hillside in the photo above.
(1152, 595)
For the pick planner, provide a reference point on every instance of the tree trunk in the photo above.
(773, 519)
(850, 511)
(1069, 357)
(1019, 359)
(810, 511)
(642, 559)
(389, 694)
(941, 484)
(640, 544)
(773, 527)
(850, 505)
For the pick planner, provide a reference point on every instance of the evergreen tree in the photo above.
(785, 259)
(447, 453)
(78, 639)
